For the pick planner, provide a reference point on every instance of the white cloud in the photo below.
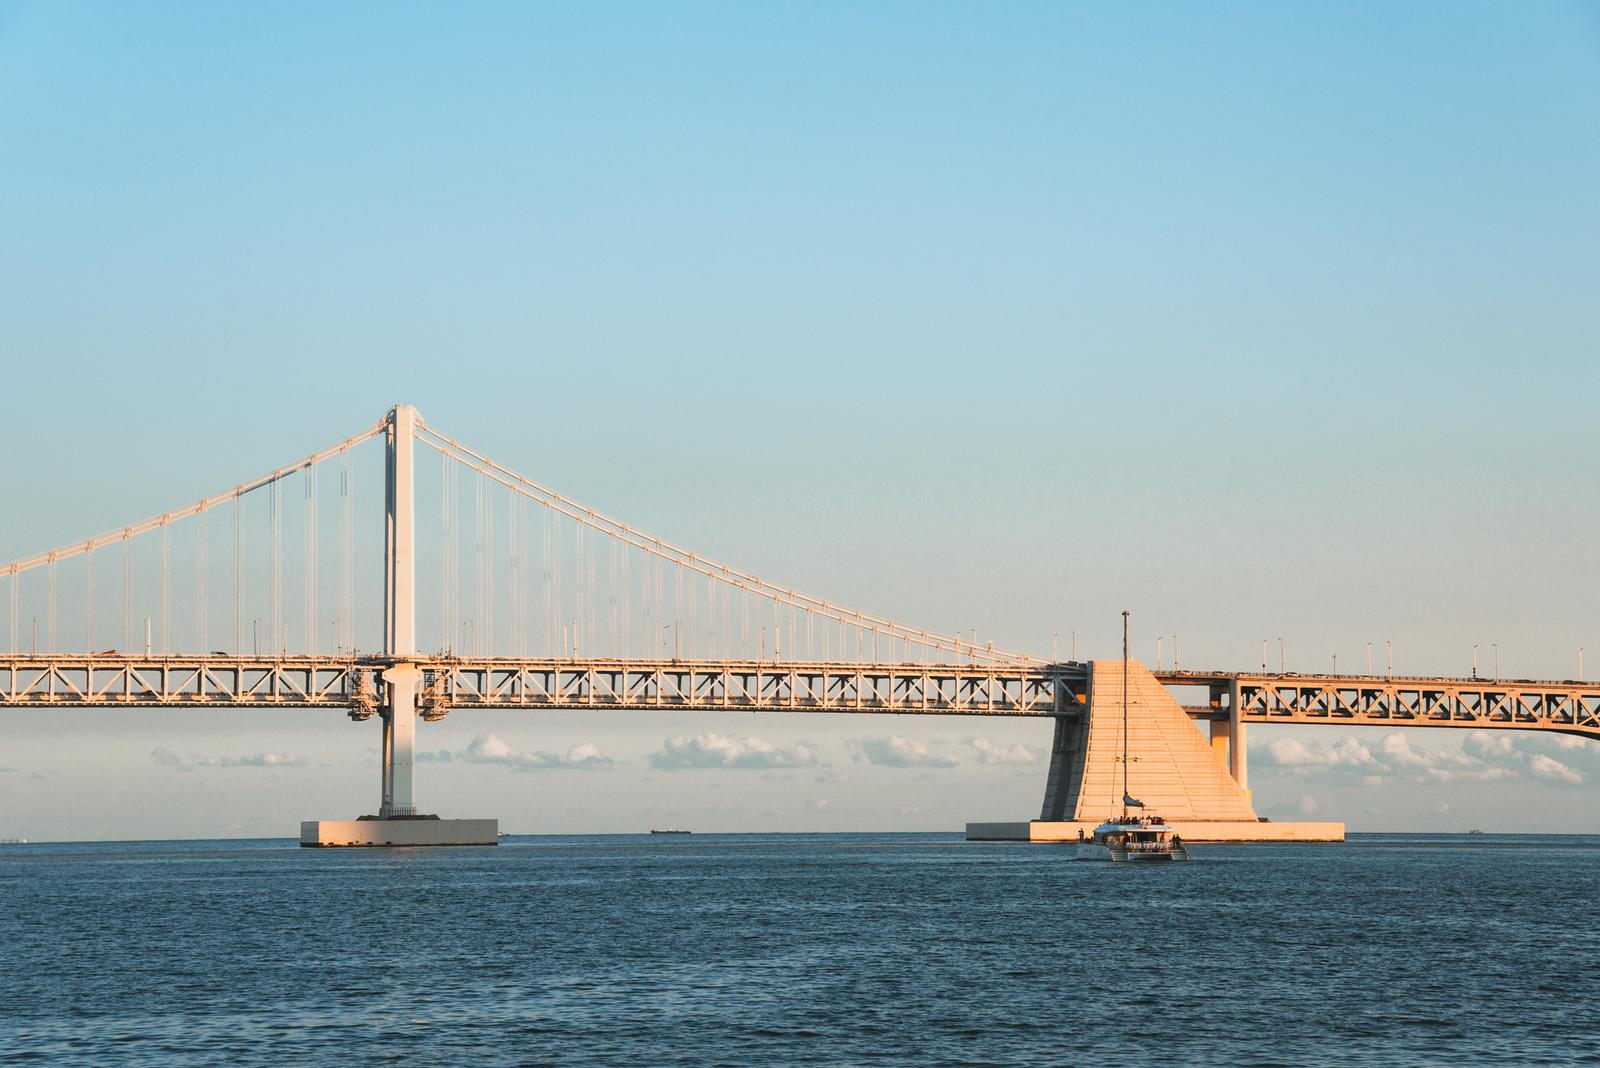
(1544, 767)
(1293, 753)
(989, 753)
(166, 758)
(712, 750)
(254, 760)
(1483, 758)
(898, 752)
(1487, 744)
(1573, 741)
(488, 749)
(1309, 805)
(1395, 750)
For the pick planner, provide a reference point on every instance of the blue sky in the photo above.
(1255, 319)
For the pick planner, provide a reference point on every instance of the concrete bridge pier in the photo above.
(397, 822)
(1175, 770)
(399, 717)
(1228, 739)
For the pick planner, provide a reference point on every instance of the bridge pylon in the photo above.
(397, 822)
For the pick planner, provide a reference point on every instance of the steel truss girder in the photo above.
(913, 689)
(448, 683)
(1568, 707)
(214, 681)
(744, 686)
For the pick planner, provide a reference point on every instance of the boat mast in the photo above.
(1125, 794)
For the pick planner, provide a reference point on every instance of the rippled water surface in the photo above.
(829, 949)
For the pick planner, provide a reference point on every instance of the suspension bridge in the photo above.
(529, 600)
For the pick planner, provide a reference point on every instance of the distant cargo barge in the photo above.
(669, 830)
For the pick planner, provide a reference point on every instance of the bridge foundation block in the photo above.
(418, 831)
(1172, 768)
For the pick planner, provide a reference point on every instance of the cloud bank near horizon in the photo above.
(488, 749)
(721, 751)
(1485, 756)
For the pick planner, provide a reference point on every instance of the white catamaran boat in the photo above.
(1134, 838)
(1131, 837)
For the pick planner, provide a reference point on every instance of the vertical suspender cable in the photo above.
(452, 624)
(349, 612)
(558, 566)
(476, 623)
(444, 552)
(316, 558)
(527, 574)
(544, 578)
(50, 610)
(514, 565)
(488, 568)
(201, 621)
(16, 580)
(238, 578)
(472, 624)
(577, 587)
(524, 573)
(127, 592)
(275, 536)
(455, 554)
(477, 543)
(519, 588)
(166, 589)
(308, 566)
(511, 567)
(346, 552)
(453, 583)
(88, 599)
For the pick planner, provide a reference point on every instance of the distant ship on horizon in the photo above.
(668, 830)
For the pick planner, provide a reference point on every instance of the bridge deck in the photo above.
(500, 682)
(1570, 706)
(352, 682)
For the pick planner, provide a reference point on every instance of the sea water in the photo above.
(801, 949)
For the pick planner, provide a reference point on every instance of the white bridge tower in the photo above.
(398, 822)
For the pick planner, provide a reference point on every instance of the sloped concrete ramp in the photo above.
(1172, 768)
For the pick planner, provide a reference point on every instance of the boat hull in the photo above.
(1100, 851)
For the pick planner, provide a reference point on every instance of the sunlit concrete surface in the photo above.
(1196, 783)
(413, 832)
(1190, 830)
